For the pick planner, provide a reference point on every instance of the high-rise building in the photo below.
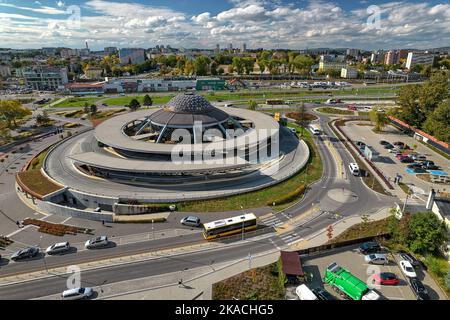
(422, 58)
(230, 47)
(390, 57)
(131, 55)
(217, 50)
(244, 47)
(353, 52)
(45, 77)
(110, 50)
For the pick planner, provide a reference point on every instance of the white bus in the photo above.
(230, 226)
(315, 129)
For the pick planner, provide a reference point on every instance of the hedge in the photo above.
(291, 196)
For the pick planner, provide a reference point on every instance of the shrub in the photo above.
(281, 276)
(293, 195)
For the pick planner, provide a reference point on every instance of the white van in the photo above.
(315, 130)
(304, 293)
(354, 169)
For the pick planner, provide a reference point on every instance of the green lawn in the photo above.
(122, 101)
(260, 198)
(77, 102)
(331, 110)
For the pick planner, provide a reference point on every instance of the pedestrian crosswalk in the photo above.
(290, 237)
(272, 221)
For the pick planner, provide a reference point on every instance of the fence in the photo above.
(326, 247)
(349, 141)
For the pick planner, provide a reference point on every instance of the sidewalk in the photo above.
(338, 227)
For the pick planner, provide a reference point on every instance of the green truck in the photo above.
(347, 284)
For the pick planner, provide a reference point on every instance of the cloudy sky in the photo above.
(295, 24)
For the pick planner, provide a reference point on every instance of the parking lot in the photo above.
(388, 163)
(350, 259)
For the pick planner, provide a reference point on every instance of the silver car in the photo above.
(58, 248)
(191, 221)
(97, 242)
(77, 294)
(376, 258)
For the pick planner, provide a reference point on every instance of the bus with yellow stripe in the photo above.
(227, 227)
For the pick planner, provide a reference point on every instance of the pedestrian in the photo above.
(180, 283)
(103, 222)
(18, 224)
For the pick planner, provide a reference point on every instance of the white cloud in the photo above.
(317, 23)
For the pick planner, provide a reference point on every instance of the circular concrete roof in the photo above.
(111, 132)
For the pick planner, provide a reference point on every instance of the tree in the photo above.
(4, 131)
(427, 234)
(379, 118)
(433, 92)
(134, 105)
(408, 100)
(86, 108)
(252, 105)
(147, 100)
(11, 111)
(43, 119)
(93, 109)
(201, 65)
(438, 122)
(303, 63)
(238, 64)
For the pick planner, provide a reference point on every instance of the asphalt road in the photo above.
(367, 201)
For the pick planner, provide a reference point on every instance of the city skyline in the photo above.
(257, 23)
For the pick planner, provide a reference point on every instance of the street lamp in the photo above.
(243, 220)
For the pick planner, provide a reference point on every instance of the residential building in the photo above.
(131, 56)
(390, 58)
(45, 77)
(349, 73)
(110, 50)
(353, 52)
(5, 71)
(49, 51)
(422, 58)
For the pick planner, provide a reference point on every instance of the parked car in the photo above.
(25, 253)
(401, 156)
(77, 294)
(406, 160)
(369, 247)
(96, 242)
(414, 165)
(394, 150)
(323, 294)
(407, 269)
(376, 258)
(384, 142)
(191, 221)
(418, 157)
(385, 278)
(389, 146)
(360, 143)
(410, 258)
(419, 289)
(398, 143)
(304, 293)
(60, 247)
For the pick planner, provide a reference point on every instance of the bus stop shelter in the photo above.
(291, 265)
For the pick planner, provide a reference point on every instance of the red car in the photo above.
(385, 278)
